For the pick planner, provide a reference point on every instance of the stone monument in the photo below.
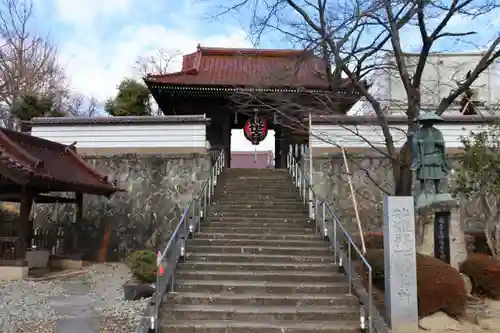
(400, 264)
(431, 168)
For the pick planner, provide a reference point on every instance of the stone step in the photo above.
(269, 178)
(251, 193)
(258, 222)
(259, 287)
(259, 181)
(257, 266)
(256, 230)
(218, 326)
(254, 242)
(256, 175)
(267, 276)
(248, 249)
(259, 313)
(242, 201)
(258, 209)
(265, 258)
(270, 213)
(258, 189)
(262, 299)
(257, 236)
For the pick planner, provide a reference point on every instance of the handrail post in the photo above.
(323, 219)
(190, 223)
(209, 188)
(335, 245)
(349, 264)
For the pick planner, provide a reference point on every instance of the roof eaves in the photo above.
(71, 151)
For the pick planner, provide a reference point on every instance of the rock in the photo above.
(439, 321)
(442, 323)
(25, 306)
(467, 283)
(134, 291)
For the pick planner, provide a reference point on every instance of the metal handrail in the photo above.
(332, 234)
(188, 225)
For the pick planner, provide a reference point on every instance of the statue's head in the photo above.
(428, 119)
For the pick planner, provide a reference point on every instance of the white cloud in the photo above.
(96, 67)
(97, 58)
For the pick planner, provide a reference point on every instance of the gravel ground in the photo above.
(25, 305)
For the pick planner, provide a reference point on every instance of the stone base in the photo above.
(66, 263)
(10, 273)
(38, 258)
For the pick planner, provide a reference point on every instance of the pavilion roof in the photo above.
(47, 165)
(258, 68)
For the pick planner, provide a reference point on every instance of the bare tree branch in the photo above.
(159, 63)
(28, 61)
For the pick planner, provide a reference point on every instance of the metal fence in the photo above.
(188, 226)
(342, 244)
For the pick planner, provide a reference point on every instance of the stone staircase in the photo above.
(258, 266)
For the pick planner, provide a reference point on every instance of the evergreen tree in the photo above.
(30, 106)
(132, 99)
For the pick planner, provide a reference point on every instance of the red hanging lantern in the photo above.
(255, 129)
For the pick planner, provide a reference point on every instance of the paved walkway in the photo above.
(75, 310)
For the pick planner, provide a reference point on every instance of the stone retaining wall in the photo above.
(157, 190)
(372, 180)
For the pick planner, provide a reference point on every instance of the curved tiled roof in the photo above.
(37, 162)
(247, 68)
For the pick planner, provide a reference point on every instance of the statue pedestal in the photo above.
(442, 235)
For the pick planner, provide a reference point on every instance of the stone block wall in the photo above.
(157, 190)
(372, 179)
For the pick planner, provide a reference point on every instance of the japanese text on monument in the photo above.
(401, 250)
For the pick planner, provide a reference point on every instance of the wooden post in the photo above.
(78, 219)
(22, 231)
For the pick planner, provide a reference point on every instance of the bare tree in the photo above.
(78, 105)
(359, 39)
(158, 63)
(28, 61)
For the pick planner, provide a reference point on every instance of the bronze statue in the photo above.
(430, 163)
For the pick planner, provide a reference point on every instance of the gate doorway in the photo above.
(245, 155)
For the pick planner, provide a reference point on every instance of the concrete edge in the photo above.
(145, 323)
(61, 276)
(378, 321)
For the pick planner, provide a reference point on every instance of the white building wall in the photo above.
(160, 135)
(367, 136)
(439, 78)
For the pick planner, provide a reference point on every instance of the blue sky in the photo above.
(99, 40)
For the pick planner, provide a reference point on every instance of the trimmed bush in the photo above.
(476, 240)
(484, 273)
(142, 264)
(439, 286)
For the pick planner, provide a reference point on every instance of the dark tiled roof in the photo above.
(248, 68)
(49, 165)
(119, 120)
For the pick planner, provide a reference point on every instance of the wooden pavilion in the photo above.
(230, 84)
(30, 169)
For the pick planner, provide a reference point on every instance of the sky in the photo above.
(100, 40)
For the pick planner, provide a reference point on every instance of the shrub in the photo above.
(142, 264)
(439, 286)
(476, 240)
(484, 273)
(373, 240)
